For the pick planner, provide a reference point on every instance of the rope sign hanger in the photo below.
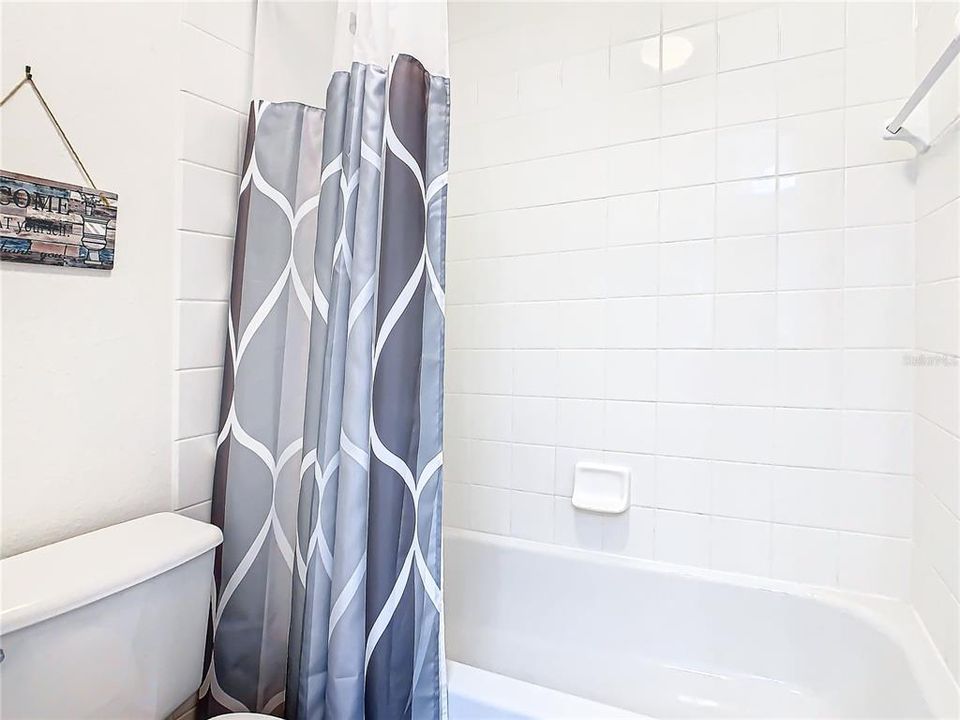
(49, 222)
(28, 80)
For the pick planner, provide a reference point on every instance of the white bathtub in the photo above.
(670, 642)
(476, 694)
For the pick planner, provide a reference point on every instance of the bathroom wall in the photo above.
(214, 100)
(152, 96)
(936, 559)
(704, 273)
(86, 377)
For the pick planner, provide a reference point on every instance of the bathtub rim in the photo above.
(893, 618)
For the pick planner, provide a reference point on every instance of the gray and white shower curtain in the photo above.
(328, 481)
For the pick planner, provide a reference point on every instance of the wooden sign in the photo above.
(54, 223)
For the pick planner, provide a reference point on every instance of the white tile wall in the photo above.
(935, 587)
(700, 270)
(217, 47)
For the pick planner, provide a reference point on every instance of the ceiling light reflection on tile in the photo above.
(676, 52)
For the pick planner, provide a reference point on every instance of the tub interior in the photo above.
(668, 643)
(476, 694)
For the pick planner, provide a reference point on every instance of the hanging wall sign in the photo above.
(54, 223)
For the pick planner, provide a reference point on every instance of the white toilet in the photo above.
(111, 624)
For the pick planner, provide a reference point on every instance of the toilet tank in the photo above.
(111, 624)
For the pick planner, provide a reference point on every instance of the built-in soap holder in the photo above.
(601, 488)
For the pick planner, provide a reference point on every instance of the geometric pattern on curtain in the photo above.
(328, 481)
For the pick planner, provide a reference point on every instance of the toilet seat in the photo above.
(248, 716)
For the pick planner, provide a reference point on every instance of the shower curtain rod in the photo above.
(953, 49)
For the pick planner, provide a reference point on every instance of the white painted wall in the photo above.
(151, 95)
(704, 274)
(86, 369)
(936, 558)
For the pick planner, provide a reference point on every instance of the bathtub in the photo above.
(536, 631)
(476, 694)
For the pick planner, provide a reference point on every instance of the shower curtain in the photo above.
(329, 468)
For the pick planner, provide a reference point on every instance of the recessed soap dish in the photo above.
(601, 488)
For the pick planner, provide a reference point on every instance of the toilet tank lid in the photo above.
(51, 580)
